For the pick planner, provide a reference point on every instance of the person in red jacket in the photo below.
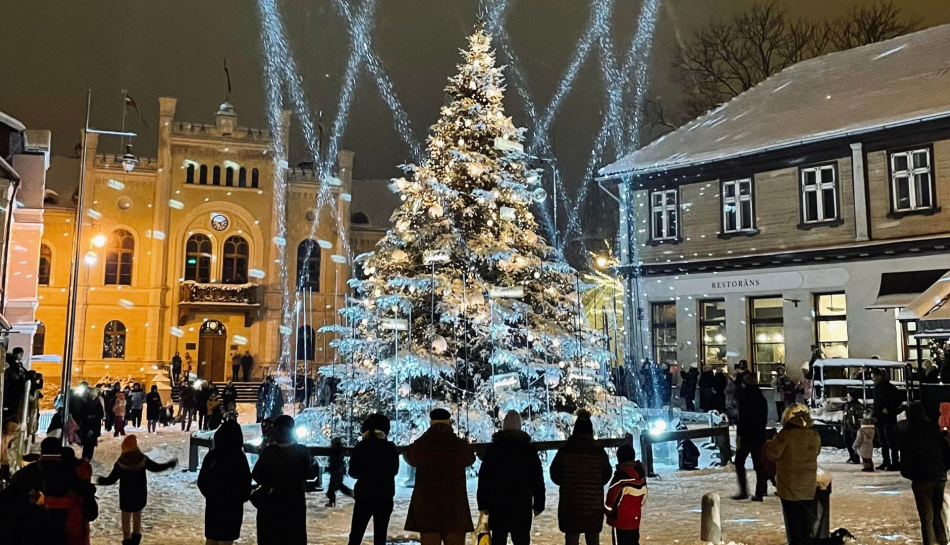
(625, 496)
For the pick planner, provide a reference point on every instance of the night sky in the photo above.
(53, 51)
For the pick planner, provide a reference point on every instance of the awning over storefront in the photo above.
(931, 304)
(899, 289)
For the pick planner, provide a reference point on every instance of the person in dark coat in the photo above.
(109, 398)
(136, 400)
(229, 396)
(225, 482)
(69, 501)
(336, 467)
(90, 422)
(688, 386)
(129, 471)
(926, 459)
(511, 483)
(14, 383)
(374, 464)
(887, 405)
(720, 383)
(439, 509)
(176, 368)
(664, 386)
(263, 395)
(581, 469)
(188, 405)
(247, 363)
(750, 437)
(706, 387)
(153, 408)
(282, 471)
(201, 404)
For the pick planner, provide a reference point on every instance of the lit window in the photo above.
(737, 211)
(768, 336)
(664, 216)
(831, 314)
(119, 256)
(712, 332)
(113, 340)
(663, 324)
(911, 180)
(819, 194)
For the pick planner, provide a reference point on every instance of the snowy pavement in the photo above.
(878, 508)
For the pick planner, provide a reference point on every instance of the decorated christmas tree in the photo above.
(464, 305)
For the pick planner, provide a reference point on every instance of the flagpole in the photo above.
(125, 110)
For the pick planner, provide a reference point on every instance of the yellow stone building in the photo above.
(181, 254)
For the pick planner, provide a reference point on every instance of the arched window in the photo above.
(203, 175)
(229, 177)
(305, 343)
(198, 258)
(242, 177)
(234, 269)
(119, 254)
(255, 177)
(39, 339)
(308, 265)
(190, 174)
(216, 175)
(46, 265)
(113, 340)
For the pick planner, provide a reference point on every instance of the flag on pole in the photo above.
(227, 74)
(130, 103)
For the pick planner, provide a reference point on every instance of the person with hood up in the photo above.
(225, 482)
(581, 469)
(49, 501)
(688, 386)
(926, 459)
(750, 437)
(129, 471)
(887, 405)
(153, 408)
(374, 464)
(282, 471)
(439, 509)
(626, 496)
(795, 453)
(511, 483)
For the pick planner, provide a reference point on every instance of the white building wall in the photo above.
(870, 332)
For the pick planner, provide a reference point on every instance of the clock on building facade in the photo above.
(219, 222)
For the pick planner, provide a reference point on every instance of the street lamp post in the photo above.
(128, 164)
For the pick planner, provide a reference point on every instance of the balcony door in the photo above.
(212, 351)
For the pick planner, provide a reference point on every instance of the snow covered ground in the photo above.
(878, 508)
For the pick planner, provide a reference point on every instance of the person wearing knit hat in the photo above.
(130, 472)
(626, 495)
(439, 508)
(511, 483)
(374, 464)
(581, 469)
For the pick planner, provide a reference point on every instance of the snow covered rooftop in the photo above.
(898, 81)
(11, 122)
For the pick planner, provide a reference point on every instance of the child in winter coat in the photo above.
(118, 409)
(337, 470)
(129, 470)
(626, 495)
(864, 444)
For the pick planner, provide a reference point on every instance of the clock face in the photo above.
(219, 222)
